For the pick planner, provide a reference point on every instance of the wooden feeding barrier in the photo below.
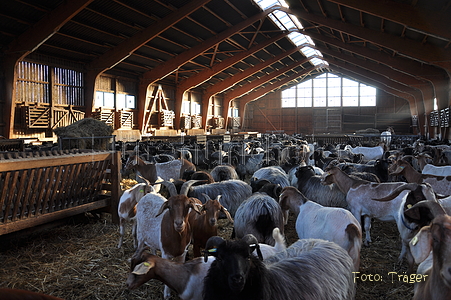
(38, 190)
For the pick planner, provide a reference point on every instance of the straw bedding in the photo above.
(80, 260)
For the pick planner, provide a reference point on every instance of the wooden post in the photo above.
(116, 166)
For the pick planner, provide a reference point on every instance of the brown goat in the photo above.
(205, 225)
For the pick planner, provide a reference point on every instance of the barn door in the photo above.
(327, 120)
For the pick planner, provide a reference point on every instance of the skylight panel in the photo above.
(265, 4)
(290, 22)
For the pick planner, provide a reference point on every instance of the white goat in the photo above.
(328, 223)
(369, 153)
(358, 195)
(436, 170)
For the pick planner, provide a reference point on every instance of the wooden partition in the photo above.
(44, 187)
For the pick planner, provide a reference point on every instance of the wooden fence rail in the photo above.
(37, 190)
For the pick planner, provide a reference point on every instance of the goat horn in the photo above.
(206, 197)
(187, 185)
(171, 187)
(408, 186)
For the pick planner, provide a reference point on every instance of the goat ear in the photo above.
(256, 247)
(164, 206)
(195, 206)
(143, 268)
(226, 212)
(421, 244)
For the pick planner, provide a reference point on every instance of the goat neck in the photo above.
(401, 167)
(341, 179)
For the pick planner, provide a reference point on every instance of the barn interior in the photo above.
(172, 68)
(196, 70)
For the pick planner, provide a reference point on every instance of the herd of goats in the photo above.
(334, 190)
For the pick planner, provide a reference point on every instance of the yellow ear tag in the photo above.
(146, 264)
(414, 240)
(212, 250)
(409, 205)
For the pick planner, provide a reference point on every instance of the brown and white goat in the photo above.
(440, 184)
(167, 170)
(186, 279)
(431, 247)
(205, 225)
(126, 208)
(174, 234)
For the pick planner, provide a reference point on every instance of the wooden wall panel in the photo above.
(267, 115)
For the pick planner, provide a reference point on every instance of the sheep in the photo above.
(433, 242)
(17, 294)
(126, 208)
(329, 223)
(359, 192)
(274, 174)
(167, 170)
(186, 279)
(259, 215)
(223, 172)
(441, 184)
(205, 225)
(168, 231)
(310, 185)
(232, 192)
(308, 269)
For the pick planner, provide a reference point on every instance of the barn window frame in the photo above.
(329, 90)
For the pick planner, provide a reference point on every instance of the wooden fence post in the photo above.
(116, 165)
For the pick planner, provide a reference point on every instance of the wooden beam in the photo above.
(206, 74)
(166, 68)
(130, 45)
(240, 91)
(422, 52)
(437, 76)
(46, 27)
(420, 19)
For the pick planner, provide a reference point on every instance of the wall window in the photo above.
(104, 99)
(329, 90)
(125, 101)
(38, 83)
(233, 112)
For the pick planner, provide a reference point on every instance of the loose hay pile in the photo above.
(85, 128)
(80, 261)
